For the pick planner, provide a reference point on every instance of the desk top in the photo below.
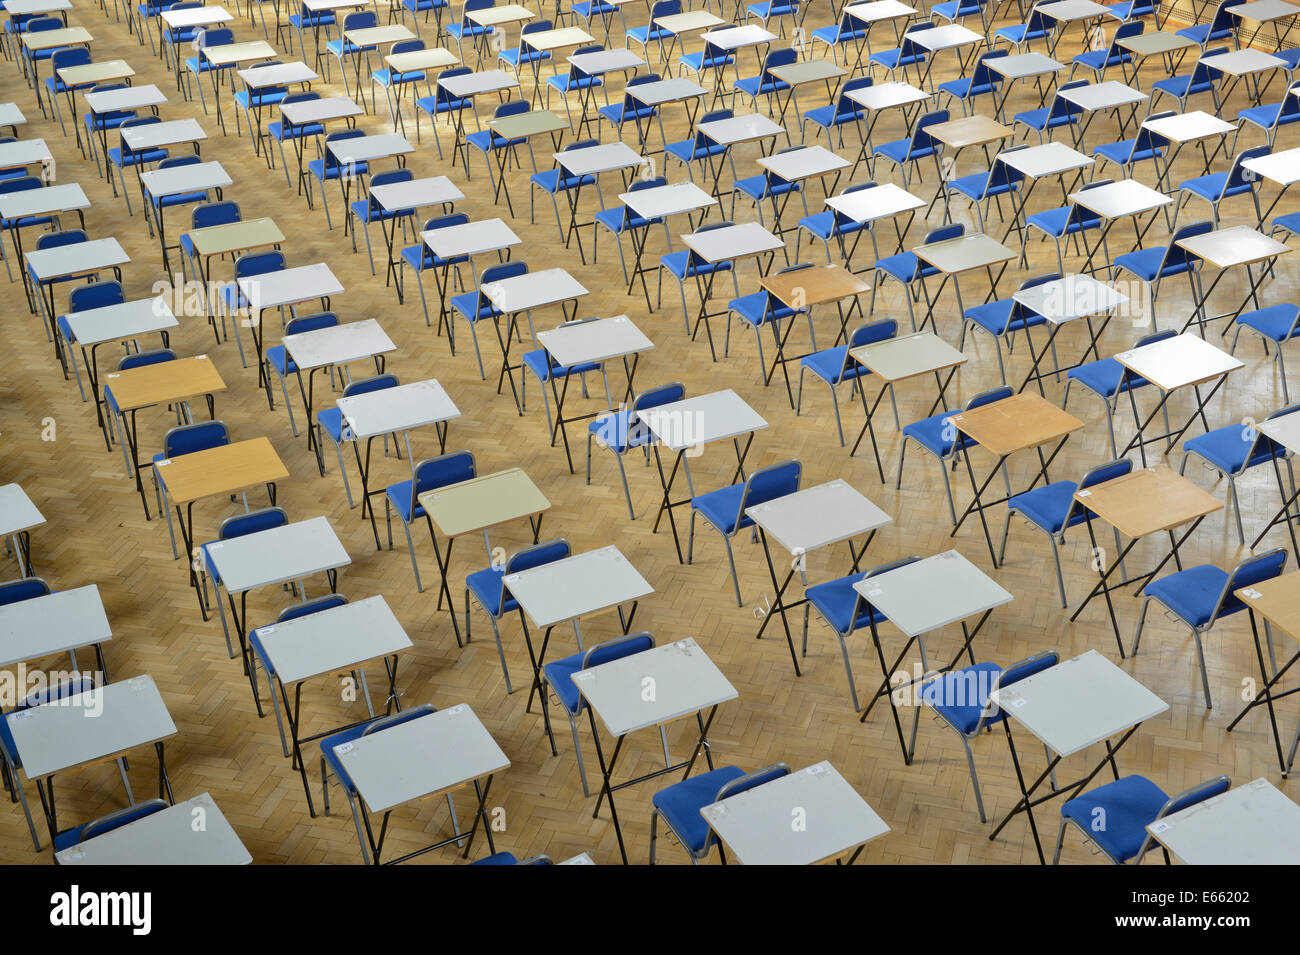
(332, 641)
(577, 586)
(817, 285)
(193, 832)
(966, 131)
(277, 555)
(483, 502)
(223, 470)
(1179, 362)
(58, 622)
(932, 593)
(817, 517)
(964, 253)
(908, 356)
(1148, 501)
(1277, 600)
(164, 383)
(17, 512)
(1026, 420)
(1254, 824)
(703, 419)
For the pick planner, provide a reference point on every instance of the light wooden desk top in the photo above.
(1277, 600)
(1237, 245)
(819, 285)
(545, 40)
(689, 21)
(46, 39)
(223, 470)
(969, 131)
(164, 383)
(1013, 424)
(497, 16)
(96, 72)
(908, 356)
(807, 71)
(483, 502)
(414, 60)
(1148, 501)
(236, 236)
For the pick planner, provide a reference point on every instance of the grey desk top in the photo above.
(932, 593)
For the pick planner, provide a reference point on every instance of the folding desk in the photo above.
(953, 257)
(731, 40)
(84, 77)
(553, 42)
(417, 760)
(867, 15)
(413, 61)
(286, 554)
(159, 184)
(40, 202)
(808, 520)
(919, 598)
(61, 622)
(232, 55)
(1070, 707)
(579, 343)
(370, 38)
(197, 19)
(885, 201)
(899, 359)
(1103, 97)
(495, 18)
(1254, 824)
(956, 135)
(1244, 64)
(661, 202)
(1235, 246)
(578, 164)
(686, 683)
(684, 428)
(800, 165)
(1286, 432)
(316, 112)
(1137, 505)
(1265, 13)
(287, 287)
(1183, 128)
(1060, 302)
(45, 266)
(684, 23)
(357, 157)
(733, 243)
(599, 64)
(473, 238)
(136, 98)
(508, 132)
(24, 152)
(756, 825)
(53, 738)
(12, 117)
(393, 411)
(654, 96)
(469, 86)
(167, 837)
(1021, 66)
(1155, 43)
(411, 196)
(523, 294)
(1282, 168)
(1064, 13)
(338, 640)
(233, 239)
(1002, 428)
(1278, 602)
(258, 78)
(805, 73)
(935, 40)
(736, 131)
(49, 40)
(18, 515)
(158, 385)
(880, 99)
(1184, 361)
(1124, 199)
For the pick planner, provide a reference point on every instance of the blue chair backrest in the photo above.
(259, 263)
(396, 719)
(215, 37)
(702, 142)
(74, 56)
(920, 138)
(215, 213)
(387, 178)
(1223, 20)
(442, 222)
(308, 607)
(1079, 214)
(1028, 667)
(442, 471)
(95, 295)
(664, 8)
(1175, 254)
(618, 648)
(332, 161)
(190, 438)
(988, 397)
(406, 46)
(475, 5)
(138, 360)
(21, 184)
(364, 386)
(662, 395)
(53, 240)
(1198, 793)
(1063, 107)
(1239, 177)
(872, 333)
(124, 816)
(361, 20)
(909, 49)
(441, 95)
(845, 106)
(1098, 475)
(544, 553)
(1131, 28)
(775, 480)
(1002, 174)
(171, 162)
(24, 588)
(497, 273)
(311, 323)
(782, 57)
(252, 522)
(751, 780)
(42, 24)
(1251, 571)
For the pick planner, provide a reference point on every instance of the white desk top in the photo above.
(688, 21)
(684, 679)
(1069, 11)
(879, 10)
(1178, 362)
(736, 37)
(577, 586)
(62, 735)
(1049, 159)
(11, 115)
(1243, 62)
(24, 152)
(1107, 95)
(43, 201)
(746, 240)
(471, 84)
(193, 832)
(58, 622)
(25, 8)
(338, 344)
(171, 133)
(946, 37)
(280, 74)
(1265, 11)
(373, 36)
(472, 238)
(606, 61)
(740, 129)
(1019, 66)
(17, 512)
(594, 160)
(1127, 197)
(392, 410)
(1284, 430)
(132, 97)
(1254, 824)
(431, 754)
(416, 193)
(887, 96)
(880, 202)
(670, 200)
(756, 825)
(76, 259)
(908, 356)
(1070, 298)
(334, 640)
(359, 149)
(278, 555)
(817, 517)
(694, 422)
(582, 858)
(232, 53)
(665, 91)
(803, 163)
(556, 39)
(1189, 127)
(932, 593)
(302, 112)
(196, 16)
(599, 340)
(1078, 703)
(196, 177)
(533, 290)
(289, 286)
(113, 323)
(1282, 167)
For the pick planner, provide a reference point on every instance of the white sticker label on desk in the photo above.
(163, 463)
(1159, 826)
(582, 677)
(874, 592)
(1084, 493)
(1018, 701)
(512, 578)
(816, 770)
(342, 748)
(1251, 592)
(458, 708)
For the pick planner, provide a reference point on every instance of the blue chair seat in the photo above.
(677, 264)
(976, 186)
(681, 803)
(566, 83)
(686, 151)
(618, 432)
(948, 695)
(535, 361)
(836, 600)
(400, 496)
(966, 88)
(1290, 222)
(551, 181)
(347, 48)
(560, 676)
(319, 169)
(485, 585)
(423, 6)
(892, 59)
(1212, 186)
(754, 86)
(828, 364)
(897, 150)
(824, 226)
(1145, 263)
(25, 221)
(1122, 152)
(467, 305)
(1228, 451)
(368, 213)
(995, 317)
(1192, 593)
(278, 131)
(1275, 321)
(833, 34)
(614, 220)
(752, 308)
(1104, 377)
(1130, 804)
(930, 434)
(1181, 86)
(311, 21)
(720, 508)
(500, 858)
(389, 77)
(485, 141)
(616, 113)
(1047, 506)
(278, 356)
(1057, 222)
(697, 62)
(901, 266)
(258, 100)
(331, 422)
(146, 156)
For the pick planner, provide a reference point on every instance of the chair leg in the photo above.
(848, 672)
(1205, 676)
(974, 779)
(410, 544)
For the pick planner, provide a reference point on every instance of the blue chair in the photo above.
(761, 310)
(1020, 35)
(368, 210)
(83, 298)
(575, 80)
(846, 611)
(491, 592)
(954, 11)
(907, 53)
(509, 858)
(768, 185)
(1098, 61)
(938, 436)
(122, 156)
(622, 221)
(630, 110)
(182, 440)
(1003, 318)
(711, 58)
(441, 103)
(1060, 112)
(1217, 186)
(686, 264)
(487, 142)
(919, 145)
(276, 358)
(588, 10)
(679, 805)
(961, 699)
(83, 833)
(344, 49)
(1200, 596)
(281, 130)
(246, 266)
(835, 366)
(467, 29)
(556, 182)
(419, 257)
(839, 113)
(981, 82)
(1132, 9)
(1270, 116)
(416, 7)
(699, 148)
(1146, 146)
(766, 84)
(558, 676)
(475, 306)
(1236, 448)
(1202, 79)
(305, 20)
(1277, 324)
(833, 224)
(768, 10)
(982, 188)
(838, 34)
(329, 423)
(622, 430)
(237, 526)
(24, 588)
(393, 82)
(516, 57)
(1069, 220)
(200, 65)
(1053, 510)
(330, 763)
(202, 217)
(55, 87)
(404, 496)
(328, 168)
(1222, 26)
(1105, 378)
(644, 36)
(907, 269)
(545, 368)
(12, 226)
(1128, 805)
(724, 509)
(1151, 266)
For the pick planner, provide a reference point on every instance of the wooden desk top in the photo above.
(1148, 501)
(1013, 424)
(223, 470)
(820, 285)
(1278, 600)
(969, 131)
(164, 382)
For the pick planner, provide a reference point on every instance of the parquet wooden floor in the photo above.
(96, 533)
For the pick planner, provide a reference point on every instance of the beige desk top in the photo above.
(966, 131)
(236, 236)
(164, 382)
(535, 122)
(496, 16)
(1148, 501)
(1026, 420)
(964, 253)
(1153, 44)
(908, 356)
(483, 502)
(820, 285)
(224, 470)
(47, 39)
(96, 72)
(807, 71)
(414, 60)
